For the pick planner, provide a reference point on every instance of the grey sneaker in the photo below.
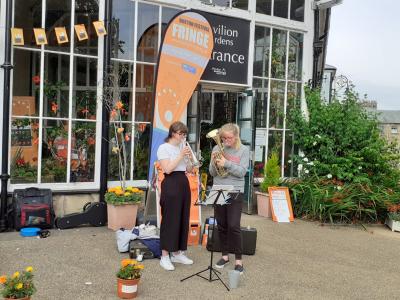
(239, 268)
(221, 263)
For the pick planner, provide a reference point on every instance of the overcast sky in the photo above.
(364, 45)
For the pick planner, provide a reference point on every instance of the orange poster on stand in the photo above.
(281, 206)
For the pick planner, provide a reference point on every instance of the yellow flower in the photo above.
(120, 129)
(15, 275)
(3, 279)
(127, 194)
(133, 262)
(119, 192)
(125, 262)
(29, 269)
(135, 190)
(19, 286)
(140, 267)
(115, 149)
(111, 190)
(119, 105)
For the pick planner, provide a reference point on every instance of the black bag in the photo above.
(137, 246)
(33, 207)
(249, 240)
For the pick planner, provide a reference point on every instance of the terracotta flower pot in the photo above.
(127, 288)
(121, 216)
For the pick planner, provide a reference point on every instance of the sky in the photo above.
(364, 45)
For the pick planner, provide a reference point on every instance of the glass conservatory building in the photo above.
(264, 55)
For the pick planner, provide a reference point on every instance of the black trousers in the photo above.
(175, 210)
(228, 220)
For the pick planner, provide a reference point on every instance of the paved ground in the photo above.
(302, 260)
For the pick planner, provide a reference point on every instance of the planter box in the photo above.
(121, 216)
(393, 225)
(263, 206)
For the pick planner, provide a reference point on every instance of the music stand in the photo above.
(210, 267)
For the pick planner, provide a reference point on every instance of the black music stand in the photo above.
(210, 267)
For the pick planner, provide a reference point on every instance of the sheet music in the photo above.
(213, 194)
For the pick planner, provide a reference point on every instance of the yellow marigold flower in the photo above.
(19, 286)
(3, 279)
(140, 267)
(29, 269)
(133, 262)
(15, 275)
(119, 192)
(127, 194)
(125, 262)
(120, 129)
(135, 190)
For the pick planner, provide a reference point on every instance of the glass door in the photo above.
(246, 122)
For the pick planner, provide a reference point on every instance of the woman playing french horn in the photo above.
(235, 161)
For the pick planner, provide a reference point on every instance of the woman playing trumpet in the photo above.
(175, 198)
(235, 161)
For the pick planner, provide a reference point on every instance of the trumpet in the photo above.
(214, 134)
(191, 159)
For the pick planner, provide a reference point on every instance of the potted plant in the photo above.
(128, 278)
(122, 206)
(271, 178)
(393, 217)
(19, 285)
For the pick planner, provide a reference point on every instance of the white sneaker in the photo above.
(165, 262)
(181, 259)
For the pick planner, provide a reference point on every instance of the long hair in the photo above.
(176, 127)
(232, 128)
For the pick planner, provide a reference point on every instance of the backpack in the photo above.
(33, 207)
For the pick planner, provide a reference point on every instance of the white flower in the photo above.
(329, 176)
(306, 171)
(301, 154)
(339, 187)
(359, 167)
(299, 167)
(305, 159)
(314, 143)
(310, 163)
(318, 136)
(289, 161)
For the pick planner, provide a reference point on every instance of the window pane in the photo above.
(242, 4)
(293, 96)
(56, 85)
(295, 59)
(281, 8)
(83, 151)
(54, 151)
(261, 51)
(288, 167)
(86, 12)
(84, 88)
(123, 28)
(26, 83)
(278, 62)
(118, 142)
(264, 7)
(28, 15)
(24, 150)
(167, 14)
(147, 34)
(141, 152)
(297, 10)
(261, 86)
(206, 107)
(144, 93)
(276, 106)
(275, 139)
(58, 14)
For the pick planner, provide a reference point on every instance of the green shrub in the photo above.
(347, 172)
(272, 173)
